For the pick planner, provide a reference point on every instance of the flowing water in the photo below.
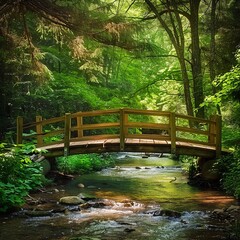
(123, 202)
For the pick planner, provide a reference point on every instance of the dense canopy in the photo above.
(60, 57)
(163, 55)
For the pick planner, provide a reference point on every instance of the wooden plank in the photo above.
(79, 125)
(148, 125)
(172, 122)
(96, 126)
(29, 125)
(212, 131)
(149, 136)
(39, 130)
(147, 112)
(200, 152)
(19, 130)
(192, 130)
(218, 136)
(96, 113)
(96, 137)
(200, 120)
(52, 120)
(133, 145)
(123, 130)
(193, 141)
(67, 128)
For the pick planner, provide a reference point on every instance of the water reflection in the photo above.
(159, 180)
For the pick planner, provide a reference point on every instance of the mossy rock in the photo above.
(46, 166)
(209, 172)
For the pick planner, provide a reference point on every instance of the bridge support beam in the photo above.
(123, 130)
(215, 134)
(19, 129)
(39, 131)
(79, 126)
(172, 122)
(218, 136)
(67, 129)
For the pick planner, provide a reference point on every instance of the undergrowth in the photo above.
(84, 163)
(18, 176)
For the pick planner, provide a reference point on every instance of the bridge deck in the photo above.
(131, 145)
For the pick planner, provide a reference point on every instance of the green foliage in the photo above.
(190, 165)
(230, 136)
(18, 176)
(229, 167)
(228, 85)
(84, 163)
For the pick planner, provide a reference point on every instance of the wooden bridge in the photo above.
(124, 130)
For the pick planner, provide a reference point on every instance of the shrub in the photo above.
(84, 163)
(229, 167)
(190, 165)
(18, 175)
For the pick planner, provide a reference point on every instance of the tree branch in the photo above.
(130, 6)
(185, 14)
(166, 55)
(152, 83)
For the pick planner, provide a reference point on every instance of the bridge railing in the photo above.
(122, 124)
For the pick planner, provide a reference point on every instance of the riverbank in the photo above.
(140, 198)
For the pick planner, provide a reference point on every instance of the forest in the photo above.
(62, 57)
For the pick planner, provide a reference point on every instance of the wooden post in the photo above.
(212, 130)
(123, 130)
(19, 130)
(218, 136)
(39, 131)
(79, 125)
(172, 122)
(67, 128)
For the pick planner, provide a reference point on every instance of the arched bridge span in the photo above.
(124, 130)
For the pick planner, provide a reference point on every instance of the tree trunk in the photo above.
(196, 59)
(212, 57)
(186, 85)
(176, 36)
(4, 106)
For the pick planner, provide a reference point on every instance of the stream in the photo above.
(124, 203)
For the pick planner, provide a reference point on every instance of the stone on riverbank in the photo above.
(218, 211)
(81, 185)
(230, 214)
(71, 200)
(168, 213)
(233, 208)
